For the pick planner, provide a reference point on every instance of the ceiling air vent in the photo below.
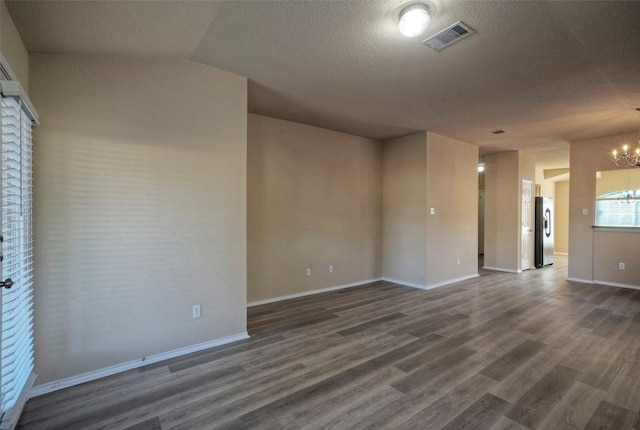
(449, 35)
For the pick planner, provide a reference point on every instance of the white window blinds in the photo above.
(16, 352)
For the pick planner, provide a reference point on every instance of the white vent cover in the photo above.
(449, 35)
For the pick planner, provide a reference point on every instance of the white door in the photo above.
(527, 225)
(16, 266)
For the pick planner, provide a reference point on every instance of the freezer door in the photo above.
(547, 231)
(539, 232)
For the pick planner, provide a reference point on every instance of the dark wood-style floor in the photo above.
(503, 351)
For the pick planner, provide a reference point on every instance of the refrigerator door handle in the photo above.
(547, 222)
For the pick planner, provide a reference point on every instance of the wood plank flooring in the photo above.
(502, 351)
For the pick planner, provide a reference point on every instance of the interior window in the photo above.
(619, 208)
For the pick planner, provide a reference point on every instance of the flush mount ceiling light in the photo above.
(414, 20)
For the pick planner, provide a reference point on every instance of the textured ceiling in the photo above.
(131, 28)
(547, 72)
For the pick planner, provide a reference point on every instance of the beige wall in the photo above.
(140, 203)
(12, 48)
(452, 191)
(610, 181)
(587, 157)
(502, 209)
(610, 248)
(547, 186)
(504, 174)
(561, 218)
(314, 200)
(421, 249)
(404, 209)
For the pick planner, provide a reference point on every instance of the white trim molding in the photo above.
(311, 292)
(582, 281)
(451, 281)
(358, 284)
(617, 284)
(561, 253)
(617, 228)
(502, 269)
(405, 283)
(49, 387)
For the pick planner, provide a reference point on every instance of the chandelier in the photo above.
(626, 157)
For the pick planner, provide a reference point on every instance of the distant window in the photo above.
(620, 208)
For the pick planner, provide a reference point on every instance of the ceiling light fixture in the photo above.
(624, 158)
(414, 20)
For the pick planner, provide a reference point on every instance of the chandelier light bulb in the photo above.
(625, 157)
(414, 20)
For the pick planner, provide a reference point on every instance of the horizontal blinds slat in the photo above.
(14, 304)
(18, 372)
(19, 327)
(14, 343)
(14, 307)
(15, 313)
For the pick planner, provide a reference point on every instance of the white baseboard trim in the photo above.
(561, 253)
(607, 283)
(451, 281)
(617, 284)
(582, 281)
(406, 284)
(49, 387)
(502, 269)
(311, 292)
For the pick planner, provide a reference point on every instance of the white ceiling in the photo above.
(547, 72)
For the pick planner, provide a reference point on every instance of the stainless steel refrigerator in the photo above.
(544, 231)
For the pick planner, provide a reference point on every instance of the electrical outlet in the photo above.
(432, 211)
(330, 269)
(585, 211)
(308, 271)
(458, 261)
(196, 311)
(621, 266)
